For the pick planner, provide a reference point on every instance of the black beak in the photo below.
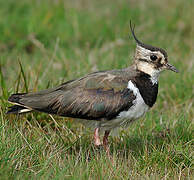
(171, 67)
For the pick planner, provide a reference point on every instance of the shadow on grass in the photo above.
(165, 142)
(157, 144)
(138, 144)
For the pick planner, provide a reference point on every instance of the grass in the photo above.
(45, 43)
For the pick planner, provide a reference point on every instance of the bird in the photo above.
(103, 100)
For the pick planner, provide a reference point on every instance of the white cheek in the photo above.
(147, 68)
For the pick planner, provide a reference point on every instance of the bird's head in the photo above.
(151, 60)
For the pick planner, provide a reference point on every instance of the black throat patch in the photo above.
(147, 89)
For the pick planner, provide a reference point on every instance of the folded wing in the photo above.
(99, 95)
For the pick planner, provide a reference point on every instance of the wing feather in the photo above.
(96, 96)
(100, 96)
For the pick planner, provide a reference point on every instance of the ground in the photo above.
(45, 43)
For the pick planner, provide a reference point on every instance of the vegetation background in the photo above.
(46, 42)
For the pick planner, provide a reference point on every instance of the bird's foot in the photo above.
(98, 143)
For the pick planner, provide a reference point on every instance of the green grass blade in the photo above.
(24, 76)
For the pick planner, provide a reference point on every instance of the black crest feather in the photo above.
(146, 46)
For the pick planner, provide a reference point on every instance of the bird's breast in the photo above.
(139, 107)
(124, 118)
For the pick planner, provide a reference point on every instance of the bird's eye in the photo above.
(153, 57)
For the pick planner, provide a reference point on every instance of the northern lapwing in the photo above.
(106, 99)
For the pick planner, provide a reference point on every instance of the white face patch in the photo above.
(148, 66)
(149, 69)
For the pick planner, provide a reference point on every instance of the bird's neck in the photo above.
(149, 69)
(147, 86)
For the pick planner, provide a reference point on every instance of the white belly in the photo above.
(139, 107)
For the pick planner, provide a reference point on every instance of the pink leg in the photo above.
(97, 137)
(105, 142)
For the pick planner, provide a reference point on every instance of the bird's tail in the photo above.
(42, 101)
(17, 108)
